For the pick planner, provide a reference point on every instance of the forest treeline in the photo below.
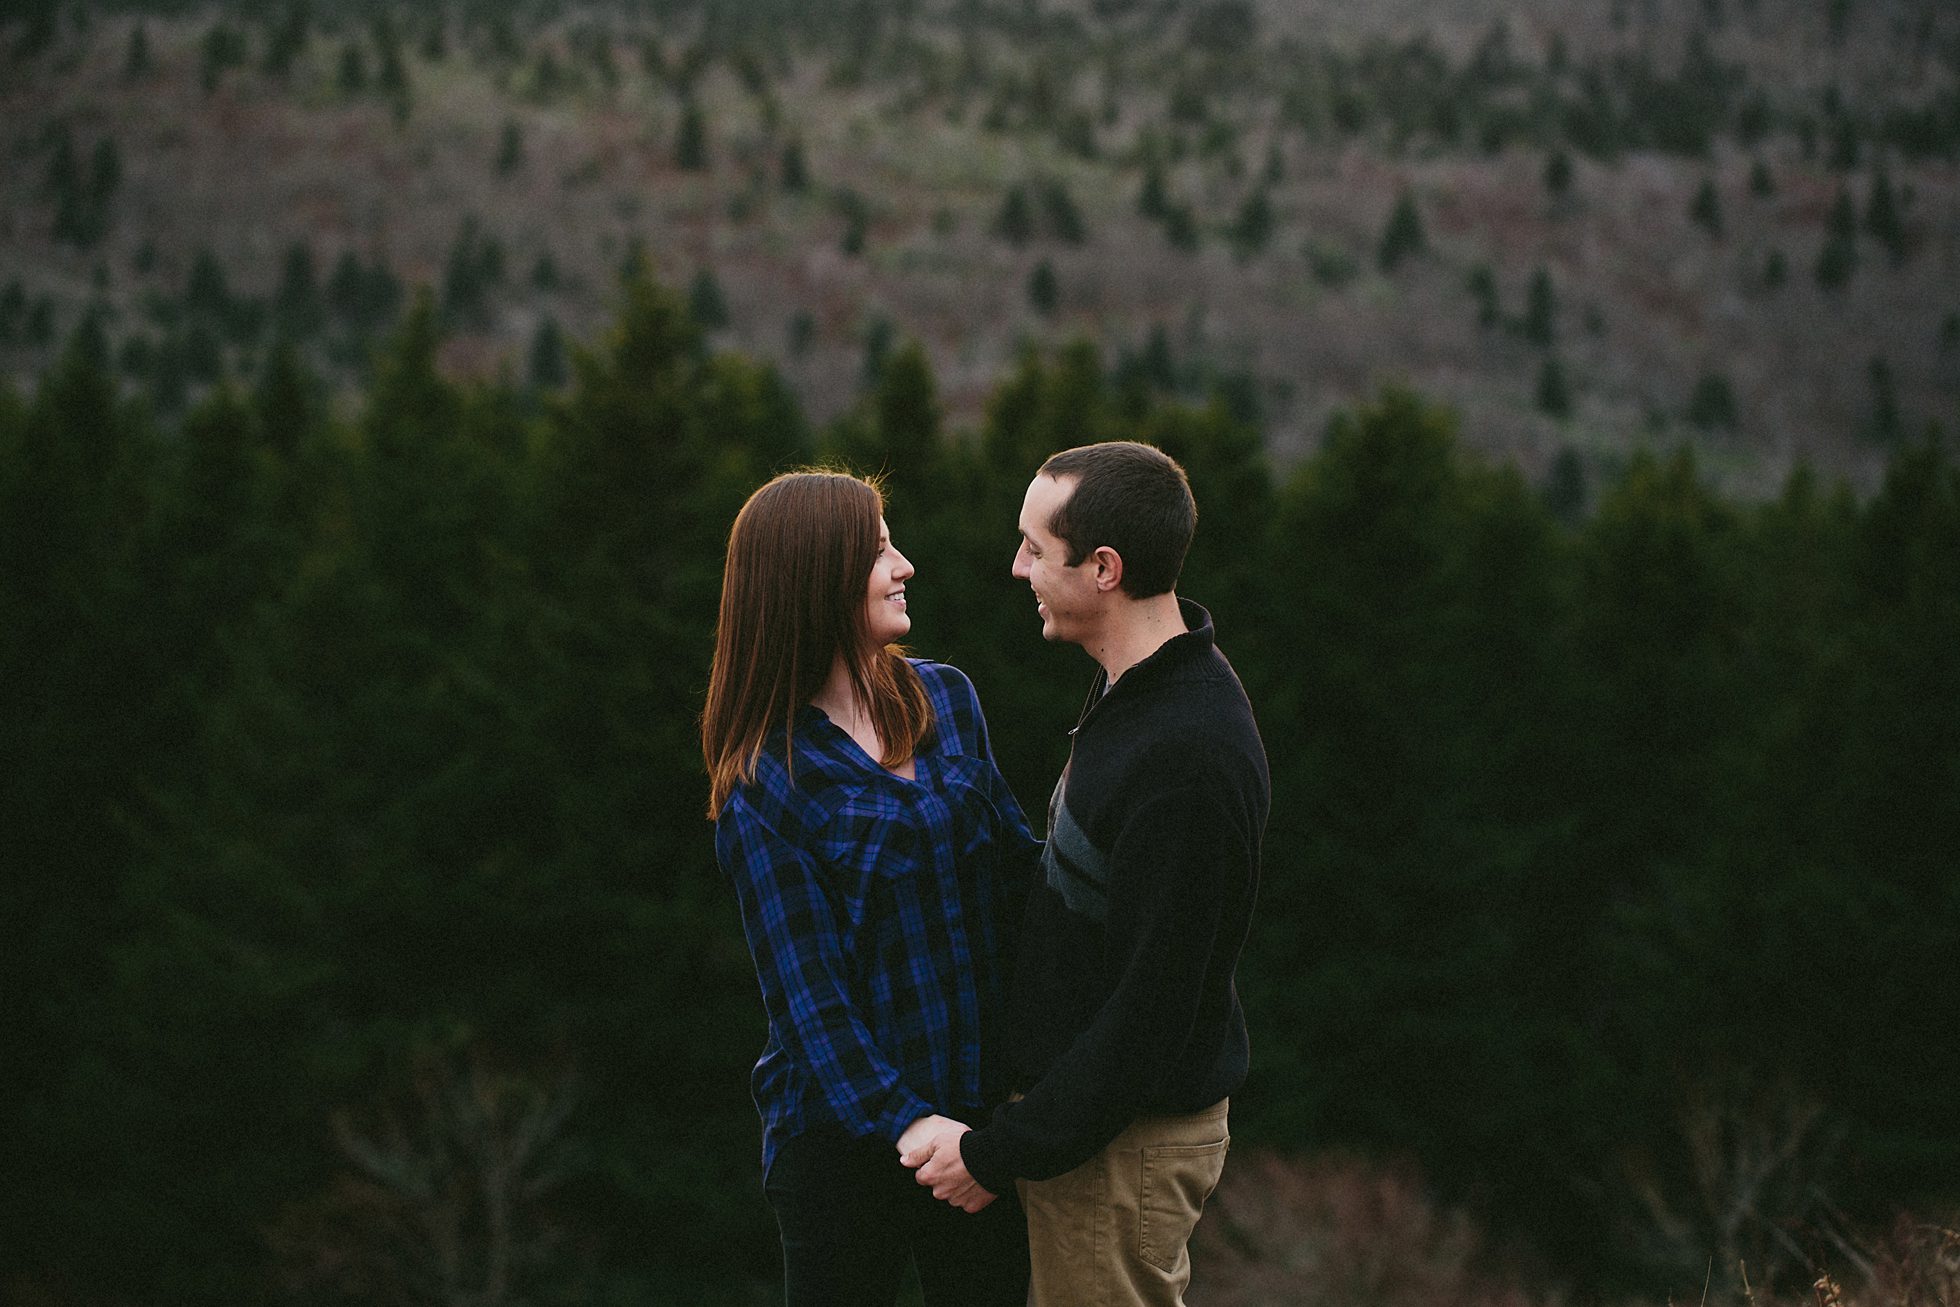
(363, 940)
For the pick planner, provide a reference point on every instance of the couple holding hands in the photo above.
(1004, 1060)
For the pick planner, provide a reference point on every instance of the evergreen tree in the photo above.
(1044, 292)
(1181, 228)
(1254, 225)
(691, 142)
(1063, 218)
(1152, 199)
(510, 149)
(705, 301)
(287, 41)
(297, 307)
(1540, 322)
(1776, 270)
(1761, 184)
(1882, 216)
(352, 77)
(547, 356)
(1564, 488)
(137, 64)
(1403, 234)
(1839, 257)
(1015, 221)
(794, 168)
(1554, 392)
(1706, 209)
(1712, 404)
(222, 50)
(1558, 174)
(1885, 425)
(857, 220)
(1482, 285)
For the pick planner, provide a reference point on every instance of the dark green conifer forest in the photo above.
(379, 381)
(362, 927)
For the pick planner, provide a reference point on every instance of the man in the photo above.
(1127, 1034)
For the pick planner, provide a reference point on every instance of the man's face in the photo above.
(1068, 598)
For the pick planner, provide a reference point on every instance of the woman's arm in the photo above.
(794, 940)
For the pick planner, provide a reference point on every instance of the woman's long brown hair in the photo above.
(793, 598)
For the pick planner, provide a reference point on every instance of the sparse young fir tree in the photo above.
(706, 302)
(1882, 218)
(1711, 404)
(137, 63)
(1254, 225)
(1063, 219)
(510, 149)
(1554, 391)
(1044, 291)
(1540, 322)
(1762, 184)
(1706, 209)
(1776, 270)
(1402, 236)
(1015, 221)
(794, 168)
(1482, 285)
(691, 141)
(547, 363)
(1886, 424)
(1558, 174)
(1838, 258)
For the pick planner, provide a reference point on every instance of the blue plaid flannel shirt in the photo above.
(876, 909)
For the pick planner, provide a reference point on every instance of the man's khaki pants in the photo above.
(1114, 1231)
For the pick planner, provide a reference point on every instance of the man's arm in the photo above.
(1172, 865)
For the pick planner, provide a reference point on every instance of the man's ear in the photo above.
(1109, 568)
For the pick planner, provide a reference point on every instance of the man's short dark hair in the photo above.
(1135, 499)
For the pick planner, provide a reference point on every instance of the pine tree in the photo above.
(857, 220)
(1706, 210)
(1882, 216)
(548, 370)
(706, 303)
(1839, 257)
(795, 168)
(1885, 424)
(1776, 270)
(1044, 292)
(1181, 228)
(137, 64)
(1558, 174)
(1063, 218)
(510, 149)
(1761, 184)
(1403, 234)
(1015, 221)
(352, 78)
(1539, 325)
(1254, 225)
(691, 143)
(1554, 392)
(1712, 403)
(223, 50)
(1152, 200)
(287, 42)
(1482, 285)
(296, 305)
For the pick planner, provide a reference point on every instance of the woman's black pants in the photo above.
(852, 1216)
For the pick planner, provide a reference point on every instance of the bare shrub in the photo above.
(1337, 1230)
(441, 1199)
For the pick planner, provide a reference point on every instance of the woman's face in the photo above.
(885, 597)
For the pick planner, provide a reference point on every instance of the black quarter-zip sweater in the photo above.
(1123, 1002)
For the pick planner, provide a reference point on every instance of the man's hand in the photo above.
(943, 1168)
(916, 1144)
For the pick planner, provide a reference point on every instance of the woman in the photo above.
(875, 849)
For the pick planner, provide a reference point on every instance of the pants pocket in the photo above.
(1177, 1179)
